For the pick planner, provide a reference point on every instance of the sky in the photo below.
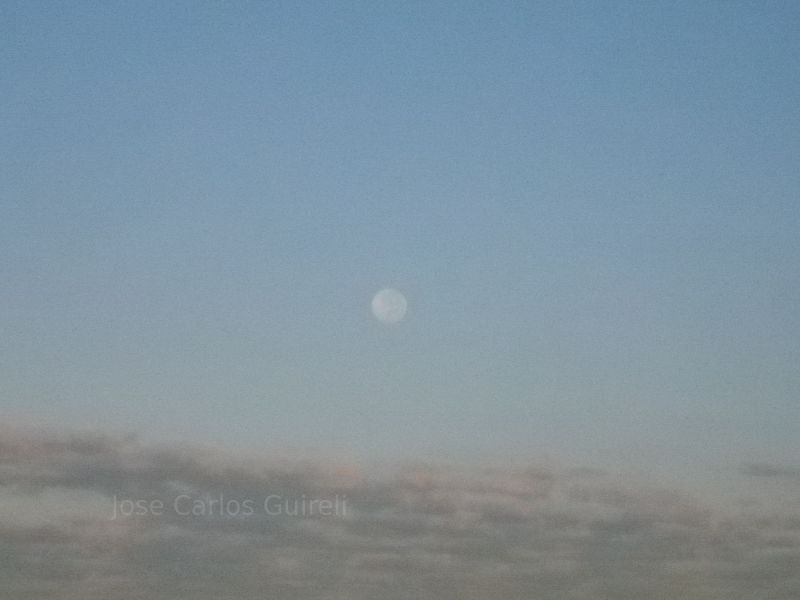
(592, 209)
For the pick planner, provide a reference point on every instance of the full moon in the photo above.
(389, 306)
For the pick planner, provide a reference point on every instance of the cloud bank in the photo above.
(421, 530)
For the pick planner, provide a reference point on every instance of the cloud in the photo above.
(419, 530)
(772, 471)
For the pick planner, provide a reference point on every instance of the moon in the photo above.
(389, 306)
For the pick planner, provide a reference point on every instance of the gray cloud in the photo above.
(772, 471)
(422, 531)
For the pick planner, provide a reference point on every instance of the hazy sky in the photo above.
(592, 209)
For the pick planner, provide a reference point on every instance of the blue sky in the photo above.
(591, 207)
